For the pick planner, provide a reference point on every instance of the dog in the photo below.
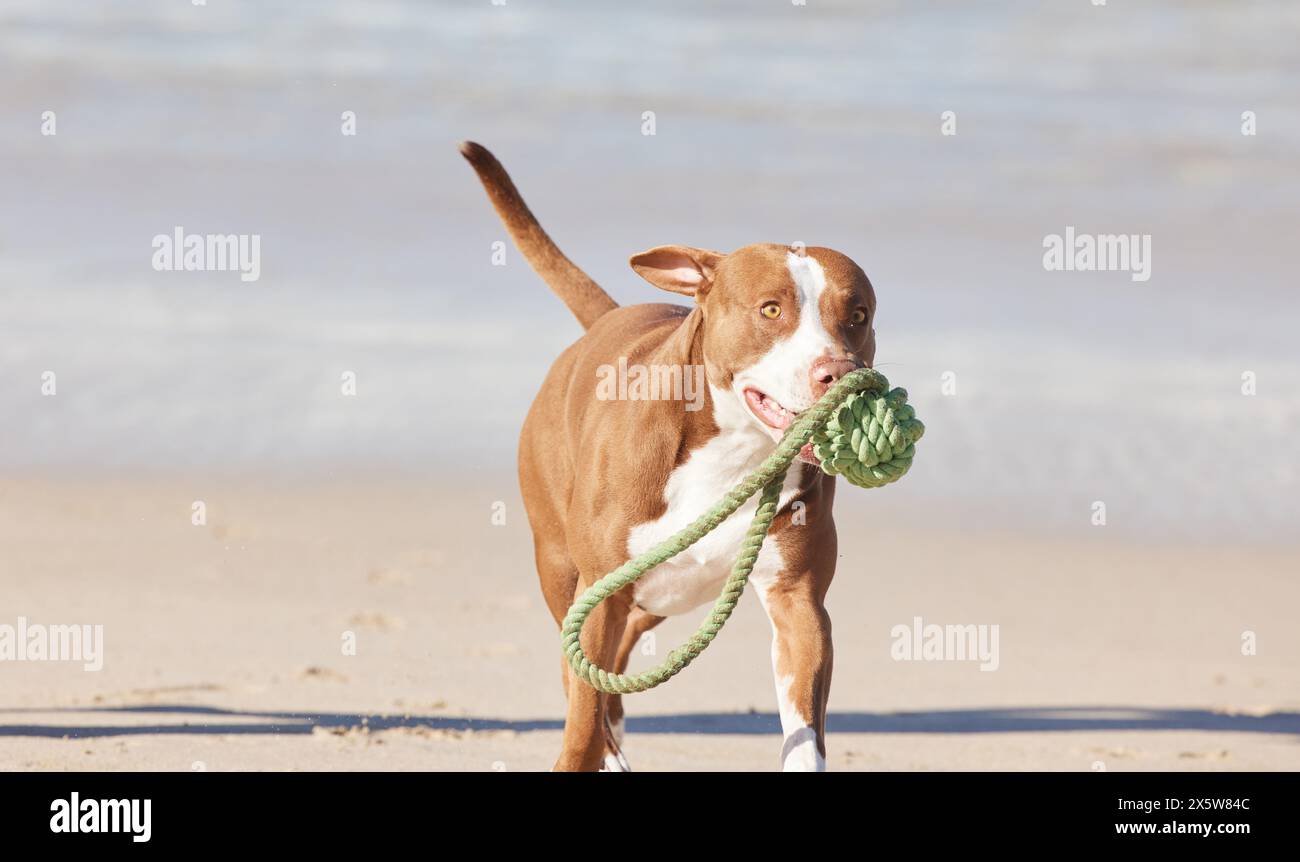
(605, 479)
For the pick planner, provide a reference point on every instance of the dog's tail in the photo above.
(586, 299)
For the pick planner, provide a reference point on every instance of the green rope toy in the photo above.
(860, 429)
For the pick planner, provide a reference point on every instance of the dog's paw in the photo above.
(615, 762)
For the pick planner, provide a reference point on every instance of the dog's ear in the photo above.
(679, 268)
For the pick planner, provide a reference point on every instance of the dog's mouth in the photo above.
(768, 410)
(776, 417)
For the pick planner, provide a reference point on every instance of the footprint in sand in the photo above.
(376, 620)
(323, 674)
(1221, 754)
(151, 694)
(1117, 753)
(419, 706)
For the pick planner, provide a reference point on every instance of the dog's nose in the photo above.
(825, 372)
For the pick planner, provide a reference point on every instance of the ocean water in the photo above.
(773, 123)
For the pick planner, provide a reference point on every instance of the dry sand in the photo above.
(224, 642)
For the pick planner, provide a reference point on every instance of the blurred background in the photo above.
(774, 123)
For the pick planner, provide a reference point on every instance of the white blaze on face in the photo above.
(783, 371)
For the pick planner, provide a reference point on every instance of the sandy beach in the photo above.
(223, 642)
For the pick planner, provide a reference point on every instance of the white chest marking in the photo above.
(696, 576)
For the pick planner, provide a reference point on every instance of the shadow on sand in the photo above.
(188, 719)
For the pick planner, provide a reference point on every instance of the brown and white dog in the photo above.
(604, 479)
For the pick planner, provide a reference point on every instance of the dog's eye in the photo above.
(770, 310)
(858, 317)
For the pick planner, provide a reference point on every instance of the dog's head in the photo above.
(779, 325)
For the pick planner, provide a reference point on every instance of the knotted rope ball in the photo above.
(860, 429)
(871, 439)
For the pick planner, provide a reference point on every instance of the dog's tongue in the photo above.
(806, 454)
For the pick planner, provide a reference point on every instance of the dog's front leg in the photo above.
(801, 662)
(584, 722)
